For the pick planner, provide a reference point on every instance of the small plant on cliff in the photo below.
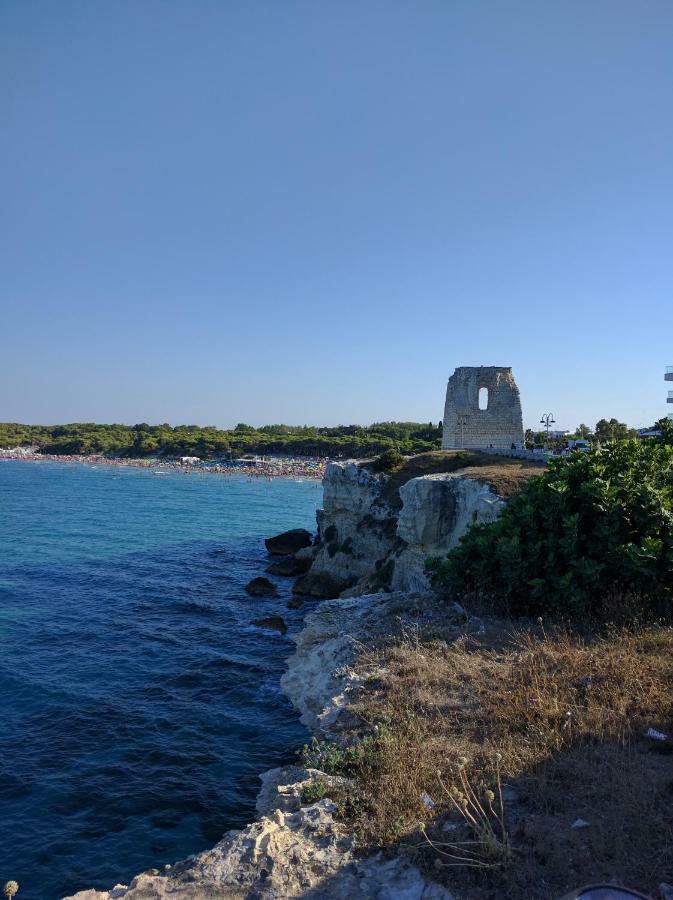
(595, 525)
(483, 811)
(314, 790)
(335, 760)
(388, 461)
(10, 889)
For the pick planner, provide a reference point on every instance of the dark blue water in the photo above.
(137, 703)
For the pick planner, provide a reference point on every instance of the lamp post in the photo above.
(547, 420)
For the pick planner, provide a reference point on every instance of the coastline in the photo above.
(296, 847)
(268, 468)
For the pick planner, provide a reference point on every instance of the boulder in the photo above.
(275, 623)
(288, 542)
(321, 585)
(295, 603)
(289, 567)
(261, 587)
(306, 553)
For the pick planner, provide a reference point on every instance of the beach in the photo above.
(261, 467)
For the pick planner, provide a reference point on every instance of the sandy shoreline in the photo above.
(284, 467)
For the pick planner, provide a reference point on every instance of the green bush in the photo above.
(595, 525)
(313, 790)
(334, 760)
(387, 461)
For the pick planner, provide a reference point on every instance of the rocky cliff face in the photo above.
(436, 512)
(356, 531)
(301, 853)
(320, 680)
(368, 537)
(368, 542)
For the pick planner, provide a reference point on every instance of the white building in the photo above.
(668, 376)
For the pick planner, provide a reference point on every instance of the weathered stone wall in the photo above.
(499, 425)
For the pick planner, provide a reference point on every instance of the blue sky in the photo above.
(312, 211)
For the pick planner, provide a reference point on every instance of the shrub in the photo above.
(387, 461)
(314, 790)
(593, 525)
(334, 760)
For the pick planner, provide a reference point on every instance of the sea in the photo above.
(138, 704)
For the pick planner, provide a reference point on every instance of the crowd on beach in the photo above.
(267, 467)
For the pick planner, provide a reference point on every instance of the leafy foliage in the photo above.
(594, 524)
(145, 440)
(314, 790)
(388, 460)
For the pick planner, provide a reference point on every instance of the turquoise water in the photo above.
(138, 705)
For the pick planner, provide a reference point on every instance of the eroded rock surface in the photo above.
(291, 851)
(356, 529)
(367, 544)
(261, 587)
(436, 512)
(320, 679)
(288, 542)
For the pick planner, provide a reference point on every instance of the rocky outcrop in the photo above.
(436, 512)
(365, 543)
(320, 680)
(368, 543)
(356, 529)
(261, 587)
(274, 623)
(298, 849)
(288, 542)
(290, 851)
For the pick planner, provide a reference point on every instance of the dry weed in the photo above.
(567, 717)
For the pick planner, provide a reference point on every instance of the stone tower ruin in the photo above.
(482, 409)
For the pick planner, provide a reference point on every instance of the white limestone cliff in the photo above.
(367, 543)
(294, 850)
(356, 528)
(320, 680)
(436, 512)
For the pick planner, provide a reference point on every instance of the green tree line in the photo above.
(208, 442)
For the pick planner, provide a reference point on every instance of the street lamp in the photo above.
(547, 420)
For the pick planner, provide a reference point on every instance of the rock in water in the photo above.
(321, 585)
(295, 603)
(289, 567)
(288, 542)
(261, 587)
(275, 623)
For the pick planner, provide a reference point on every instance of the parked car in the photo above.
(579, 445)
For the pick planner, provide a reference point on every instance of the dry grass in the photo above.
(506, 479)
(505, 476)
(567, 717)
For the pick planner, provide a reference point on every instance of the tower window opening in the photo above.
(483, 398)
